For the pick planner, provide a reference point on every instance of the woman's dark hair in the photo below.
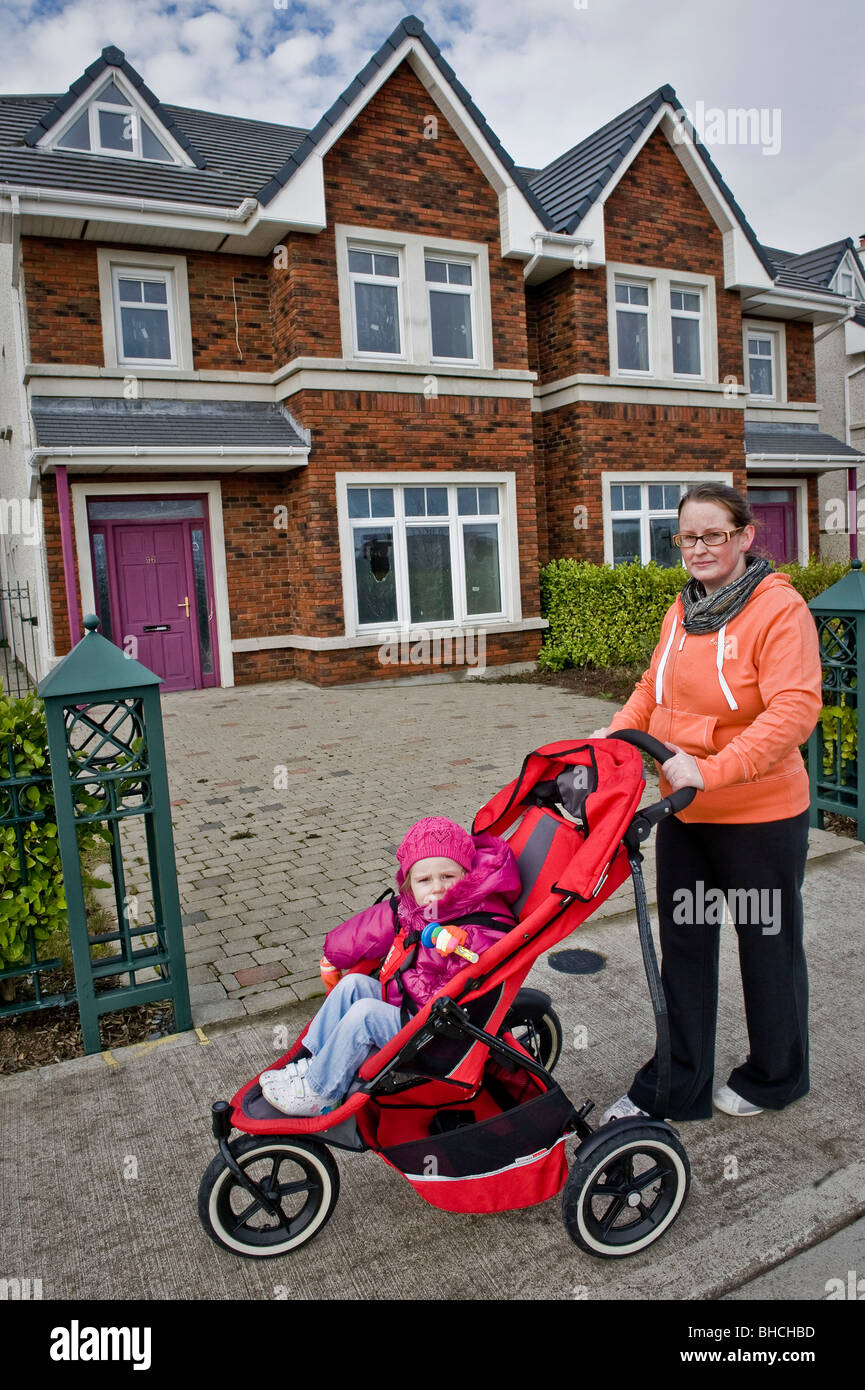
(728, 497)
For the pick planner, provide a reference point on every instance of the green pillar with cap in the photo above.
(836, 763)
(107, 751)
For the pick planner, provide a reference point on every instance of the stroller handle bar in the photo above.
(661, 753)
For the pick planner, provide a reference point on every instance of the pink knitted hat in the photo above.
(435, 837)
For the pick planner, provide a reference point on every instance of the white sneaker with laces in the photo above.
(732, 1103)
(624, 1109)
(294, 1096)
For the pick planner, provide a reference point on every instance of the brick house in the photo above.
(283, 397)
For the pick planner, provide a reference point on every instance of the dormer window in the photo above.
(112, 124)
(847, 282)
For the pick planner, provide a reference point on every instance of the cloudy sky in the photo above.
(545, 74)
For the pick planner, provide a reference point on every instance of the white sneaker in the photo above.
(731, 1103)
(294, 1096)
(623, 1109)
(298, 1068)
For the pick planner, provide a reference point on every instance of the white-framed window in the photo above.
(376, 301)
(450, 300)
(633, 337)
(111, 123)
(145, 310)
(144, 316)
(641, 515)
(662, 324)
(761, 365)
(426, 552)
(686, 320)
(764, 349)
(847, 282)
(409, 298)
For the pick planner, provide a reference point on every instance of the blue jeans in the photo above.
(352, 1023)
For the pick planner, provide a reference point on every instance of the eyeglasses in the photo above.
(709, 538)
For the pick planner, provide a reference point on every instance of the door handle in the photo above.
(185, 604)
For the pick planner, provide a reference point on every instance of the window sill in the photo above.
(384, 634)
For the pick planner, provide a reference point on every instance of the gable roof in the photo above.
(409, 27)
(570, 185)
(234, 158)
(109, 58)
(237, 156)
(813, 270)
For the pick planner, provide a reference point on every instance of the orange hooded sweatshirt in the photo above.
(741, 701)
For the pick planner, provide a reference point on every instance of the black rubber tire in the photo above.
(221, 1196)
(538, 1029)
(611, 1164)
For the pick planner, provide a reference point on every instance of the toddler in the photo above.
(444, 872)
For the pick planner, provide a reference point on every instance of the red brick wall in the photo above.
(582, 441)
(367, 431)
(63, 309)
(801, 380)
(215, 283)
(289, 579)
(384, 173)
(65, 317)
(654, 217)
(568, 318)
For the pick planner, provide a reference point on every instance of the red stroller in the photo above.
(462, 1100)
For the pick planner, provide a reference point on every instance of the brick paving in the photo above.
(289, 802)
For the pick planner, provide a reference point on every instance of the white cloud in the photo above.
(545, 74)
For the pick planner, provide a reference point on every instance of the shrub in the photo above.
(605, 616)
(39, 905)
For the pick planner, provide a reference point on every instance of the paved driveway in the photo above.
(289, 803)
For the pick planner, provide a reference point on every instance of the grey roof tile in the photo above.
(63, 421)
(569, 185)
(112, 57)
(239, 154)
(787, 439)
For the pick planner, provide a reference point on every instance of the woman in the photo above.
(734, 687)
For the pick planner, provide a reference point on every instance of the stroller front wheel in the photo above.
(536, 1027)
(298, 1174)
(627, 1188)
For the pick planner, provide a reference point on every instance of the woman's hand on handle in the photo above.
(600, 733)
(682, 771)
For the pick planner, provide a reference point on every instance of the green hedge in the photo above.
(40, 904)
(605, 616)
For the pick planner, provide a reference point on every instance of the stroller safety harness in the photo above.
(462, 1101)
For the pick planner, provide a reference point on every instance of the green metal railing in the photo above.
(15, 816)
(836, 767)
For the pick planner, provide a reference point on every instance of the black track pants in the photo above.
(694, 860)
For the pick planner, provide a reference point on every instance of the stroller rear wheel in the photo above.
(626, 1187)
(300, 1175)
(536, 1027)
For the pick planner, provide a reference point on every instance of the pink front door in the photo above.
(155, 597)
(153, 584)
(776, 529)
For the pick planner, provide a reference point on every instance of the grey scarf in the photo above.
(709, 612)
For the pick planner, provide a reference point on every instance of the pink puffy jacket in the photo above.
(492, 884)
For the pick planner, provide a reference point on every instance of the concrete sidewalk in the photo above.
(102, 1157)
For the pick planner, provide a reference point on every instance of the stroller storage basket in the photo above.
(509, 1160)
